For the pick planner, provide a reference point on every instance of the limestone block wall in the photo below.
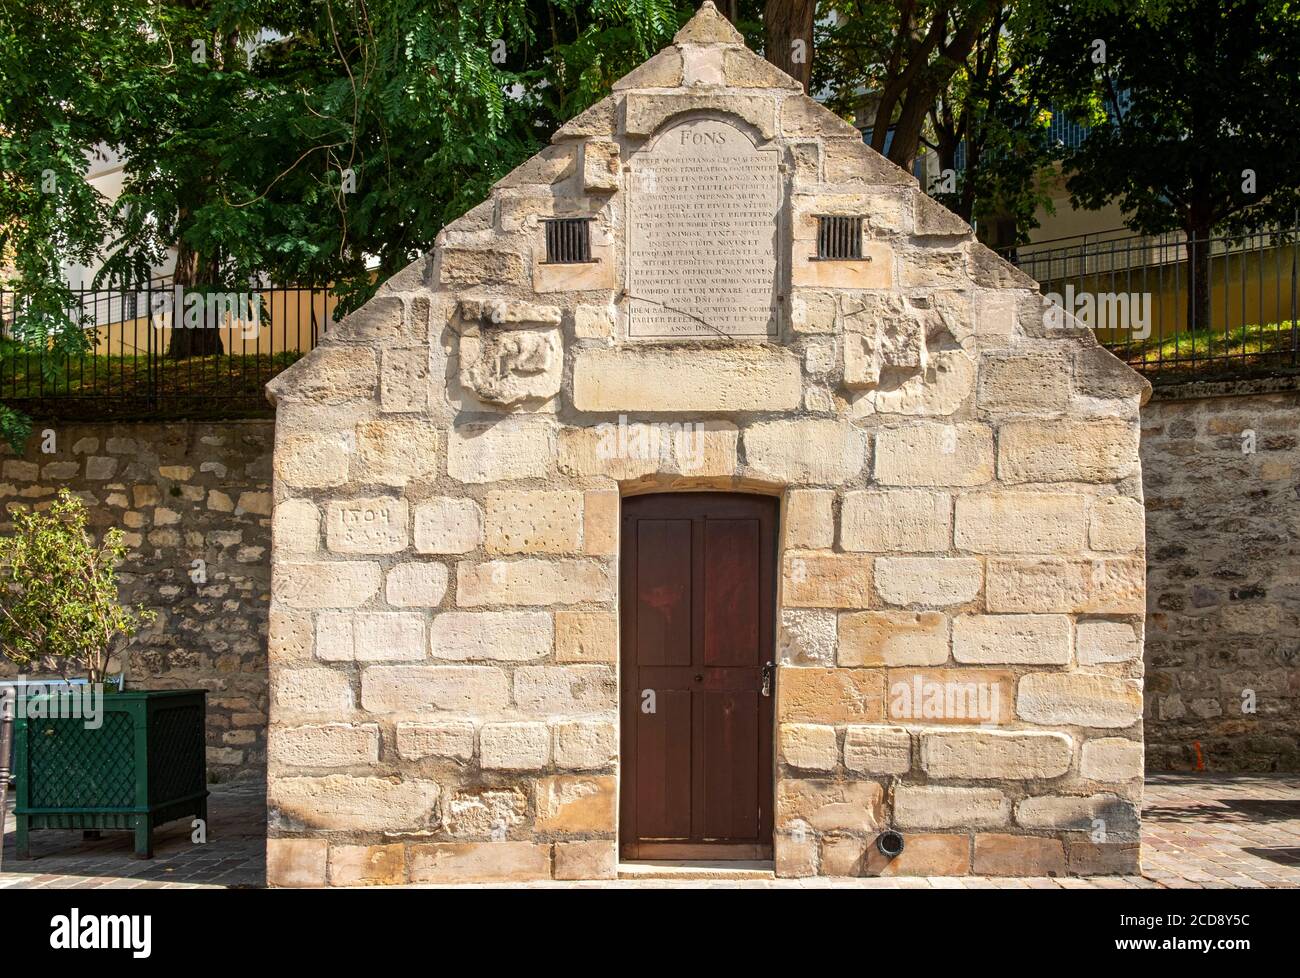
(194, 500)
(962, 587)
(1222, 618)
(1223, 622)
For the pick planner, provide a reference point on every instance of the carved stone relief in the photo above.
(506, 361)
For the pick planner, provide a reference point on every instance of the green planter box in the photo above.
(143, 766)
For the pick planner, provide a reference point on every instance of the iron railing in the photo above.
(1136, 293)
(157, 351)
(134, 365)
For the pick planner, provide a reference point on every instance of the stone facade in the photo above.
(1220, 466)
(962, 564)
(194, 500)
(1223, 618)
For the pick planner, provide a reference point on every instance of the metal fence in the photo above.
(157, 351)
(1136, 293)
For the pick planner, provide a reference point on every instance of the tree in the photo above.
(788, 37)
(991, 115)
(903, 53)
(350, 133)
(53, 96)
(58, 591)
(1193, 104)
(294, 141)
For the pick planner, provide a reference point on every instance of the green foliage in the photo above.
(59, 597)
(14, 427)
(852, 51)
(1211, 348)
(302, 140)
(214, 386)
(299, 140)
(992, 109)
(1191, 94)
(328, 141)
(956, 72)
(947, 75)
(1192, 104)
(904, 54)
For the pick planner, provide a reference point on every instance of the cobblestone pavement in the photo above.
(234, 856)
(1199, 831)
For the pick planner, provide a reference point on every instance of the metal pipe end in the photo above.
(890, 844)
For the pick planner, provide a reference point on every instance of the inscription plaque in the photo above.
(367, 526)
(703, 213)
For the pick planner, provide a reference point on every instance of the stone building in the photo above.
(707, 492)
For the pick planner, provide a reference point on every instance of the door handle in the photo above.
(767, 678)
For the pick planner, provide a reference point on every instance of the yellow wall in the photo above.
(285, 324)
(1246, 288)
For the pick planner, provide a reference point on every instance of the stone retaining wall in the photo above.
(194, 501)
(1220, 467)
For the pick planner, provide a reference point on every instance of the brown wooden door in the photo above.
(697, 616)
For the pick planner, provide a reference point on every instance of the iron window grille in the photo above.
(839, 238)
(568, 240)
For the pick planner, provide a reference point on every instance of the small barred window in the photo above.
(568, 240)
(839, 238)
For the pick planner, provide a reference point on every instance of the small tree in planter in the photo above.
(60, 601)
(130, 761)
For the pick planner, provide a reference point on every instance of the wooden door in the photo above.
(697, 601)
